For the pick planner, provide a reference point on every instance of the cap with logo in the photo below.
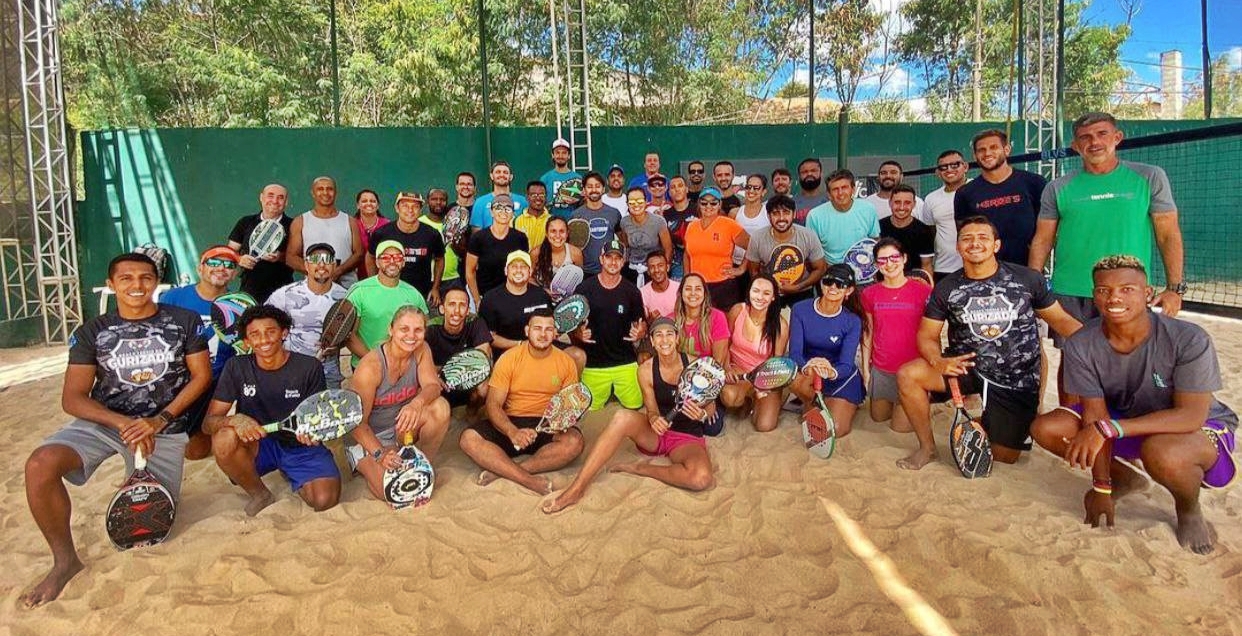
(220, 251)
(560, 143)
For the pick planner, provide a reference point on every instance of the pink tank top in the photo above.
(746, 354)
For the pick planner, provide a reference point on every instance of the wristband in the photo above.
(1110, 429)
(1102, 486)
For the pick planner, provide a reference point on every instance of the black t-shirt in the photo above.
(918, 239)
(506, 314)
(270, 396)
(1011, 205)
(444, 344)
(266, 277)
(728, 203)
(613, 311)
(995, 318)
(492, 253)
(139, 364)
(422, 247)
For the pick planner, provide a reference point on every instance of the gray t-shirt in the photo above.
(604, 223)
(1177, 356)
(642, 239)
(803, 204)
(763, 244)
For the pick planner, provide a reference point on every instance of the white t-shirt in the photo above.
(307, 310)
(939, 213)
(619, 203)
(883, 211)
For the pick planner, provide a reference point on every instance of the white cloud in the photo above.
(1234, 55)
(894, 83)
(800, 75)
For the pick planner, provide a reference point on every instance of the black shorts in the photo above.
(488, 432)
(725, 294)
(1007, 413)
(457, 398)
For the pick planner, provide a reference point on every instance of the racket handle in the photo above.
(407, 439)
(956, 392)
(271, 428)
(817, 381)
(140, 460)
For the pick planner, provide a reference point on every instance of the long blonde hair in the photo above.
(680, 317)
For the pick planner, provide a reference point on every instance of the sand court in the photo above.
(773, 548)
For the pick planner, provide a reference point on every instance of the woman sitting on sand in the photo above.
(759, 333)
(680, 440)
(400, 392)
(554, 253)
(894, 311)
(823, 339)
(699, 337)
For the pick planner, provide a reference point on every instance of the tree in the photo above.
(847, 32)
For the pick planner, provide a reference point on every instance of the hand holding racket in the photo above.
(968, 441)
(225, 310)
(142, 511)
(339, 324)
(265, 239)
(565, 281)
(412, 481)
(465, 370)
(571, 313)
(701, 382)
(322, 417)
(565, 409)
(772, 374)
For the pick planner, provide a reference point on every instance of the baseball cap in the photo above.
(409, 196)
(321, 247)
(839, 272)
(220, 251)
(710, 192)
(517, 255)
(657, 177)
(389, 245)
(501, 199)
(614, 246)
(663, 322)
(616, 168)
(560, 143)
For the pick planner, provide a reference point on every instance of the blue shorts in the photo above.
(849, 388)
(299, 464)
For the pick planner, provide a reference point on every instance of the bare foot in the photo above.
(486, 477)
(51, 585)
(1194, 533)
(545, 487)
(556, 504)
(258, 502)
(917, 460)
(628, 467)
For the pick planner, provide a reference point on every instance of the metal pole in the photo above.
(1059, 76)
(487, 106)
(1021, 42)
(1207, 62)
(843, 133)
(810, 70)
(336, 71)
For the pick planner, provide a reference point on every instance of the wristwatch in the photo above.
(165, 417)
(377, 453)
(1178, 288)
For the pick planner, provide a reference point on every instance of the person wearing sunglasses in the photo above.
(824, 334)
(307, 302)
(217, 266)
(893, 310)
(379, 297)
(710, 241)
(644, 232)
(938, 210)
(487, 250)
(696, 172)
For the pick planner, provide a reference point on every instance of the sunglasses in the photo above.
(754, 188)
(895, 258)
(392, 258)
(836, 282)
(642, 202)
(220, 262)
(949, 166)
(695, 171)
(321, 258)
(709, 202)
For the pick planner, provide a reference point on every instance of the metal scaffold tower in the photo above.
(1037, 93)
(40, 252)
(574, 89)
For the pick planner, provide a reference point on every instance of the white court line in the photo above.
(921, 615)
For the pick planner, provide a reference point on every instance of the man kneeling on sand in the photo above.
(1146, 383)
(266, 387)
(523, 381)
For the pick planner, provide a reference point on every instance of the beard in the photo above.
(809, 183)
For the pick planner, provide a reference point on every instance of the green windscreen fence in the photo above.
(184, 188)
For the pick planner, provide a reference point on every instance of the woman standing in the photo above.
(644, 233)
(894, 310)
(554, 252)
(759, 333)
(823, 339)
(369, 219)
(709, 249)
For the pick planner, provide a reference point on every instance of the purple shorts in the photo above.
(671, 441)
(1220, 475)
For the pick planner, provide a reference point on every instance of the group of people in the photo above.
(675, 269)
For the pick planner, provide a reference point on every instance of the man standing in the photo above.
(562, 184)
(132, 376)
(464, 186)
(437, 207)
(811, 193)
(994, 346)
(938, 211)
(651, 167)
(502, 182)
(1107, 207)
(266, 387)
(1008, 197)
(782, 233)
(680, 212)
(889, 177)
(1146, 381)
(722, 173)
(696, 172)
(534, 221)
(782, 182)
(507, 308)
(326, 224)
(423, 245)
(458, 332)
(616, 322)
(523, 381)
(844, 220)
(604, 221)
(657, 193)
(306, 302)
(379, 297)
(261, 276)
(918, 240)
(614, 195)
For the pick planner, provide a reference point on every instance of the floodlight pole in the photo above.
(810, 70)
(1207, 62)
(336, 71)
(487, 106)
(1059, 76)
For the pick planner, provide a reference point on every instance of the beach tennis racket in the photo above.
(571, 313)
(465, 370)
(339, 322)
(922, 276)
(861, 258)
(566, 280)
(579, 233)
(787, 264)
(968, 441)
(569, 194)
(157, 254)
(323, 417)
(456, 222)
(701, 382)
(266, 237)
(142, 511)
(773, 374)
(819, 430)
(412, 483)
(225, 310)
(565, 409)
